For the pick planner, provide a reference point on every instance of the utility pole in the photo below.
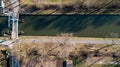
(13, 19)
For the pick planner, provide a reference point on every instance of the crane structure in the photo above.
(11, 9)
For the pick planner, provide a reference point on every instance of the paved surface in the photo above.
(73, 41)
(84, 41)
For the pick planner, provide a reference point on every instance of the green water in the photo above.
(80, 25)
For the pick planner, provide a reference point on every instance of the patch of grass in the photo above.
(84, 6)
(54, 0)
(29, 2)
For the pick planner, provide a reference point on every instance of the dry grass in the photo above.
(32, 51)
(43, 50)
(26, 2)
(83, 2)
(47, 49)
(78, 6)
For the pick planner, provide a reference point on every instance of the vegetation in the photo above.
(3, 59)
(87, 56)
(71, 6)
(83, 55)
(34, 54)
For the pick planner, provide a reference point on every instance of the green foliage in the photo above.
(78, 61)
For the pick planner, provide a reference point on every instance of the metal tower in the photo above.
(13, 22)
(13, 15)
(13, 18)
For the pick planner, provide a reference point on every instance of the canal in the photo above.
(80, 25)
